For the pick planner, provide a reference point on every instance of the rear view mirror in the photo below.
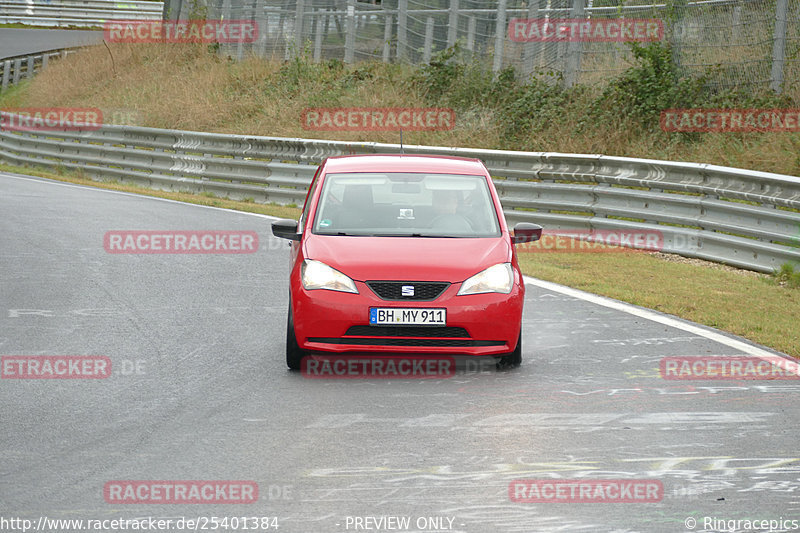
(286, 229)
(526, 232)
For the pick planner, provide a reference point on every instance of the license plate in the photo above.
(407, 316)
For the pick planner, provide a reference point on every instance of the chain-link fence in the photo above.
(738, 43)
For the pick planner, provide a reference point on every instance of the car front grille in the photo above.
(403, 341)
(393, 290)
(406, 331)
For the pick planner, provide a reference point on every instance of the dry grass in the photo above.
(186, 87)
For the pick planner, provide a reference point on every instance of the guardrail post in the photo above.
(31, 67)
(17, 70)
(574, 48)
(402, 28)
(452, 24)
(45, 59)
(779, 45)
(387, 39)
(428, 51)
(6, 72)
(500, 36)
(350, 32)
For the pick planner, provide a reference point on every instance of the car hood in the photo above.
(408, 258)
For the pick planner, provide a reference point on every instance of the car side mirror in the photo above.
(286, 229)
(526, 232)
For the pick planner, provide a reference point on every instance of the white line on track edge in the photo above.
(778, 360)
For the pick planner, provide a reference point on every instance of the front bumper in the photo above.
(337, 322)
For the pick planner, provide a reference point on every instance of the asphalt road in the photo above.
(211, 398)
(23, 41)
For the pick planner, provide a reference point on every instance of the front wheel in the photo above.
(514, 359)
(294, 354)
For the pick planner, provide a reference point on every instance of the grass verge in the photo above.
(762, 308)
(192, 87)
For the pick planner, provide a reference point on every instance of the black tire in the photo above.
(514, 359)
(294, 355)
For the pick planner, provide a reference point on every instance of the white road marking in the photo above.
(771, 357)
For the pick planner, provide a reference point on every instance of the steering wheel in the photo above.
(452, 222)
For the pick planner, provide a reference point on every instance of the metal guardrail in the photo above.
(743, 218)
(77, 13)
(14, 69)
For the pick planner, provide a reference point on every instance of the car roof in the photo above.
(405, 163)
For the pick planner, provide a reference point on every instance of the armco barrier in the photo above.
(14, 69)
(76, 13)
(740, 217)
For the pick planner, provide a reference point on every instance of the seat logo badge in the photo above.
(407, 290)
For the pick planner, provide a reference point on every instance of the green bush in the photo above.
(788, 275)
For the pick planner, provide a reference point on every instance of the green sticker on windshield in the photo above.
(324, 223)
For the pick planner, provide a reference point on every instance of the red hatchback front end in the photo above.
(404, 254)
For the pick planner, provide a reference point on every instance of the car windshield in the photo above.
(401, 204)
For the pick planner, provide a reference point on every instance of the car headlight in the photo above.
(497, 278)
(318, 275)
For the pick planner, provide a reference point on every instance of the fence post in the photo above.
(319, 27)
(240, 41)
(452, 24)
(350, 32)
(574, 48)
(779, 45)
(261, 17)
(677, 31)
(736, 22)
(31, 68)
(500, 36)
(402, 28)
(6, 72)
(529, 49)
(298, 28)
(426, 56)
(387, 37)
(471, 27)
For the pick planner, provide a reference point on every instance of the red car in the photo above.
(404, 254)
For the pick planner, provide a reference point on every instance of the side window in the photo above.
(307, 206)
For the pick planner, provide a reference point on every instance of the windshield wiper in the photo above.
(344, 234)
